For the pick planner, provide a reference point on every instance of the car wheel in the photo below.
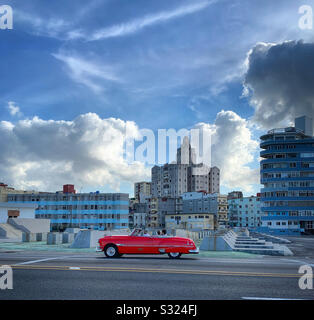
(111, 251)
(174, 255)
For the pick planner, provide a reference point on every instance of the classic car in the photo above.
(140, 243)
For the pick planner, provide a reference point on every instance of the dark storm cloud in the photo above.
(280, 82)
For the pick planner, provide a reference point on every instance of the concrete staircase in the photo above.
(270, 237)
(249, 244)
(9, 232)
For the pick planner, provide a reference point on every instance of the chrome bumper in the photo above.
(98, 249)
(197, 250)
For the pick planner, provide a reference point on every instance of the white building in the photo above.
(17, 210)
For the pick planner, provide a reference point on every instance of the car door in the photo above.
(140, 244)
(156, 245)
(162, 244)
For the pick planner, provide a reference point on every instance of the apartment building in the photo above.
(174, 179)
(287, 173)
(201, 202)
(94, 210)
(142, 189)
(244, 211)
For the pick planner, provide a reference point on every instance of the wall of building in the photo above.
(142, 190)
(191, 221)
(287, 173)
(140, 219)
(23, 210)
(214, 180)
(245, 212)
(172, 180)
(199, 202)
(103, 211)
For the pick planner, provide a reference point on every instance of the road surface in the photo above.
(57, 275)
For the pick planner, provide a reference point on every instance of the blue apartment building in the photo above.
(95, 210)
(287, 173)
(245, 211)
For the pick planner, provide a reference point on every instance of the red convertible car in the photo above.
(139, 243)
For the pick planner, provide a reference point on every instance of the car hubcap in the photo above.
(174, 254)
(111, 251)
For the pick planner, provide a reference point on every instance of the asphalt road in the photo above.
(53, 275)
(302, 246)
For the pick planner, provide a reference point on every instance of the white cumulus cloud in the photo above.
(233, 150)
(88, 151)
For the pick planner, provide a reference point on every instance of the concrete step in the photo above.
(245, 243)
(243, 238)
(271, 238)
(272, 252)
(251, 244)
(252, 247)
(250, 241)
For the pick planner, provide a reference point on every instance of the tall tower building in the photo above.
(214, 180)
(186, 154)
(174, 179)
(287, 173)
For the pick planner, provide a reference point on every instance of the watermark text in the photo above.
(306, 20)
(306, 280)
(6, 277)
(6, 17)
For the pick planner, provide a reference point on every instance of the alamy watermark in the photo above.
(306, 20)
(6, 17)
(306, 281)
(6, 277)
(147, 148)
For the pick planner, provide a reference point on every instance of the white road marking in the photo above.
(75, 268)
(267, 262)
(40, 260)
(301, 262)
(263, 298)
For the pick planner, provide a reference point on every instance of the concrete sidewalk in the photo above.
(42, 246)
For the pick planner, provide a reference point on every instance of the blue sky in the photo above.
(160, 64)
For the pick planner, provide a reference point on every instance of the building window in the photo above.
(307, 155)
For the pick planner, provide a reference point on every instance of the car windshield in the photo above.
(139, 233)
(136, 233)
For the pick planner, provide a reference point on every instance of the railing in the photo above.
(285, 130)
